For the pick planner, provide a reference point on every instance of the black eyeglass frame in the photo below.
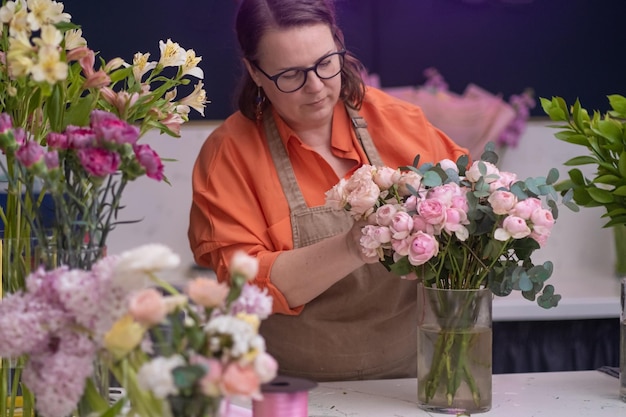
(306, 71)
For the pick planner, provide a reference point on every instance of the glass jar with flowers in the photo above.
(70, 133)
(174, 353)
(466, 232)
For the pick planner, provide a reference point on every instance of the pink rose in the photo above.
(447, 164)
(432, 211)
(335, 197)
(444, 193)
(407, 178)
(265, 366)
(542, 218)
(492, 173)
(525, 208)
(401, 247)
(541, 238)
(505, 180)
(460, 202)
(410, 205)
(147, 307)
(423, 247)
(386, 177)
(455, 221)
(207, 292)
(420, 225)
(385, 213)
(210, 382)
(401, 225)
(502, 201)
(515, 227)
(374, 236)
(363, 198)
(241, 380)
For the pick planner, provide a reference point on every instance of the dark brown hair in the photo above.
(256, 17)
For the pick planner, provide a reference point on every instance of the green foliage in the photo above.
(603, 136)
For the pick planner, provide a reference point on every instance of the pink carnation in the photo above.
(150, 161)
(99, 162)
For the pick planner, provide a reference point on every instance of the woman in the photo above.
(306, 120)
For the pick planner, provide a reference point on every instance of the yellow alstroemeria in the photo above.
(172, 55)
(252, 319)
(44, 12)
(190, 67)
(74, 39)
(124, 336)
(197, 99)
(141, 65)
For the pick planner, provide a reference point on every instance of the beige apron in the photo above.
(364, 326)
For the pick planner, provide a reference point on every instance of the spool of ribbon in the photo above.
(284, 397)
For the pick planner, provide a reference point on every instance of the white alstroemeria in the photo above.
(74, 39)
(19, 23)
(197, 98)
(141, 65)
(49, 67)
(8, 10)
(156, 375)
(44, 12)
(172, 55)
(50, 36)
(190, 67)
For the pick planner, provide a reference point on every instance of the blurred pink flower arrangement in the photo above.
(174, 353)
(473, 118)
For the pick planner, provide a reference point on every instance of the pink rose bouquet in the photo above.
(456, 225)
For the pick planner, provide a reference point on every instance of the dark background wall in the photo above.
(570, 48)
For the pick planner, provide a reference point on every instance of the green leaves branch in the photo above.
(604, 138)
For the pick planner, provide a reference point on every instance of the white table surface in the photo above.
(554, 394)
(549, 394)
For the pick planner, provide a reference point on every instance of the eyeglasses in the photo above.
(293, 79)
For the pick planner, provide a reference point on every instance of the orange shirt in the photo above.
(238, 202)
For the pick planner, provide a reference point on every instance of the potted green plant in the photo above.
(603, 137)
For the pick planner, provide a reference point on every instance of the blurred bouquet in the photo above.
(175, 355)
(70, 128)
(473, 118)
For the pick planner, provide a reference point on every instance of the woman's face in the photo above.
(312, 105)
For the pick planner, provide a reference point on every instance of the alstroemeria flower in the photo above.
(196, 99)
(172, 55)
(190, 67)
(141, 65)
(49, 66)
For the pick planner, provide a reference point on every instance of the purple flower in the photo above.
(253, 300)
(57, 140)
(6, 123)
(29, 153)
(109, 128)
(80, 137)
(51, 158)
(150, 161)
(99, 162)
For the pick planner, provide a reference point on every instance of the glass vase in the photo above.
(454, 350)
